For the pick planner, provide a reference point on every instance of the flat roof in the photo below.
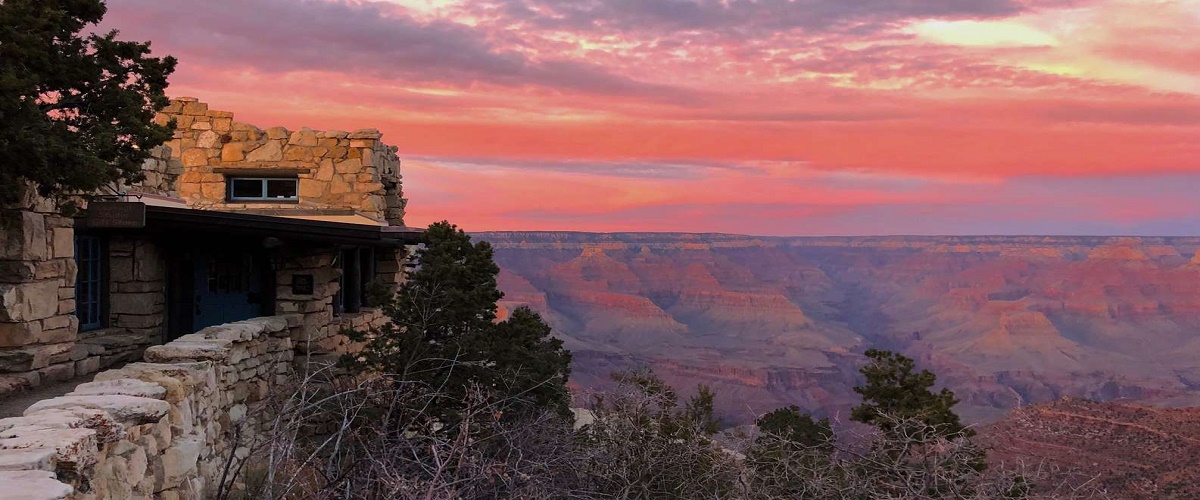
(339, 229)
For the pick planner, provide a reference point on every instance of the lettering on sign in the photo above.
(116, 214)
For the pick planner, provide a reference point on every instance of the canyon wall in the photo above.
(1004, 321)
(163, 428)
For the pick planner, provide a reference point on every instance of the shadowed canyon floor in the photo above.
(1004, 321)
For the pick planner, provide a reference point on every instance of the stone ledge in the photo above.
(27, 459)
(121, 387)
(149, 428)
(127, 409)
(264, 168)
(33, 485)
(76, 448)
(211, 350)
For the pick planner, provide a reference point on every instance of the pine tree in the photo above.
(893, 393)
(445, 337)
(76, 110)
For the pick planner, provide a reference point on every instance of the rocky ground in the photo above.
(1124, 450)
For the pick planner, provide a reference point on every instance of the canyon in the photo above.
(1004, 321)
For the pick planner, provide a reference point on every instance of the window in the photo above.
(263, 188)
(90, 290)
(357, 266)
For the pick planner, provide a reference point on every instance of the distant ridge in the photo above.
(771, 321)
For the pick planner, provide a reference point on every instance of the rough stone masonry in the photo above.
(162, 428)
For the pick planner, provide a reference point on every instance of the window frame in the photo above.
(357, 271)
(263, 181)
(92, 314)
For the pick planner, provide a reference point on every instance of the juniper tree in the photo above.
(76, 109)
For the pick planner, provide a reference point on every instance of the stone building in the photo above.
(232, 222)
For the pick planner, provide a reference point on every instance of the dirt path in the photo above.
(15, 405)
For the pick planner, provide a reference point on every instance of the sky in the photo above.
(768, 117)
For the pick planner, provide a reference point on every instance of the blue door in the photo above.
(228, 288)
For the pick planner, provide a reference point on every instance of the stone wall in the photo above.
(321, 332)
(37, 297)
(162, 428)
(137, 309)
(336, 169)
(40, 340)
(161, 171)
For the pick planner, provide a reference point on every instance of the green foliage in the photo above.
(894, 393)
(699, 410)
(76, 110)
(445, 337)
(378, 293)
(790, 454)
(796, 427)
(912, 418)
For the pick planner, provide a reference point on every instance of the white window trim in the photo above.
(263, 180)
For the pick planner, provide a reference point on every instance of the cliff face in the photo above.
(774, 321)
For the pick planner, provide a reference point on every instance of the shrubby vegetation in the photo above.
(451, 403)
(444, 337)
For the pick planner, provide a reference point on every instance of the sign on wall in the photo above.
(302, 284)
(116, 214)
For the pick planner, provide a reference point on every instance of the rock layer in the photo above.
(1004, 321)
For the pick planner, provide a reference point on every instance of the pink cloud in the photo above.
(616, 114)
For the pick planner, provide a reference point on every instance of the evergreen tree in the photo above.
(699, 410)
(76, 110)
(794, 426)
(444, 334)
(792, 456)
(894, 393)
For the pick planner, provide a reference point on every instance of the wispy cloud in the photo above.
(767, 116)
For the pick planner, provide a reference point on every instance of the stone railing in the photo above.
(163, 428)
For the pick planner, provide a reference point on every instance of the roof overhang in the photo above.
(174, 221)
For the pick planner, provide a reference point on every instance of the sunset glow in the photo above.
(781, 117)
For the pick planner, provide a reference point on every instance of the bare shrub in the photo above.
(903, 463)
(336, 436)
(643, 444)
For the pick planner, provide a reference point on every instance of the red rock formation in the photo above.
(775, 321)
(1128, 451)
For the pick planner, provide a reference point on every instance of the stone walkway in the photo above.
(15, 405)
